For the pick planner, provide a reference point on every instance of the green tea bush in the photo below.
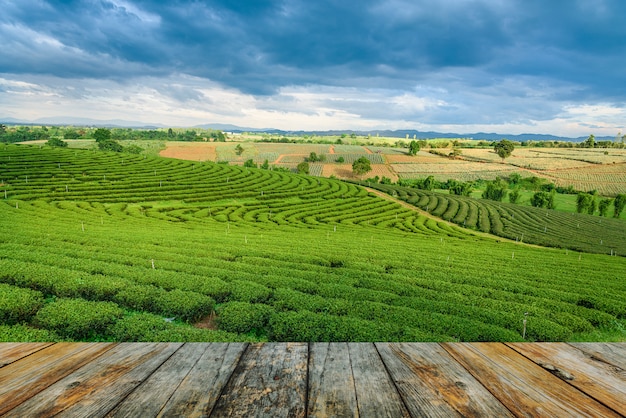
(243, 317)
(184, 305)
(144, 327)
(23, 333)
(138, 327)
(309, 326)
(139, 297)
(250, 292)
(78, 319)
(17, 304)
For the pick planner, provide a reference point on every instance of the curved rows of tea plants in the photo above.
(308, 260)
(532, 225)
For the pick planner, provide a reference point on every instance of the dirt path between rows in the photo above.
(409, 206)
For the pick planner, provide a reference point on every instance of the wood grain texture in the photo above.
(602, 381)
(331, 385)
(11, 352)
(148, 399)
(376, 393)
(523, 387)
(432, 383)
(270, 380)
(612, 353)
(198, 392)
(96, 388)
(21, 380)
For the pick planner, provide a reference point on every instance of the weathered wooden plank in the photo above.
(23, 379)
(198, 392)
(612, 353)
(10, 352)
(377, 395)
(270, 380)
(432, 383)
(522, 386)
(149, 398)
(331, 385)
(99, 386)
(602, 381)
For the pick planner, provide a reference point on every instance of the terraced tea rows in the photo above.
(545, 227)
(278, 256)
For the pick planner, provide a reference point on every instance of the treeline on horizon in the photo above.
(21, 133)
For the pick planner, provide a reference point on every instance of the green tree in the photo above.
(414, 148)
(303, 168)
(543, 200)
(102, 134)
(514, 195)
(496, 190)
(584, 202)
(250, 163)
(340, 160)
(312, 158)
(618, 204)
(110, 145)
(238, 149)
(265, 165)
(603, 206)
(56, 142)
(361, 166)
(504, 148)
(590, 142)
(459, 188)
(71, 134)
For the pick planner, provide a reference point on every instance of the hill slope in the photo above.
(118, 243)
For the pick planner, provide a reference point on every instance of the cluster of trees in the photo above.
(23, 133)
(588, 203)
(28, 133)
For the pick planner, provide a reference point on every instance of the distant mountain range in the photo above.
(400, 134)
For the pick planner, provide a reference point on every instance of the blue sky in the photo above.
(509, 66)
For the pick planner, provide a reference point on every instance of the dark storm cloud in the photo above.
(259, 46)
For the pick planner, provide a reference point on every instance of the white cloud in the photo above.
(183, 100)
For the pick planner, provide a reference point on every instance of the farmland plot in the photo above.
(118, 243)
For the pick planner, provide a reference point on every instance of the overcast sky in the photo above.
(507, 66)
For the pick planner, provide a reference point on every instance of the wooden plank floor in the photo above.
(316, 379)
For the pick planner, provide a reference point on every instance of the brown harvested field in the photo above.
(584, 169)
(345, 171)
(194, 151)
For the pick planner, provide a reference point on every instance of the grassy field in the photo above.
(109, 247)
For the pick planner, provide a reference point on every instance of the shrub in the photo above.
(242, 317)
(139, 327)
(310, 327)
(182, 304)
(56, 143)
(145, 327)
(18, 304)
(249, 292)
(78, 319)
(23, 333)
(139, 297)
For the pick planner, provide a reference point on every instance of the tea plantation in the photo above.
(110, 247)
